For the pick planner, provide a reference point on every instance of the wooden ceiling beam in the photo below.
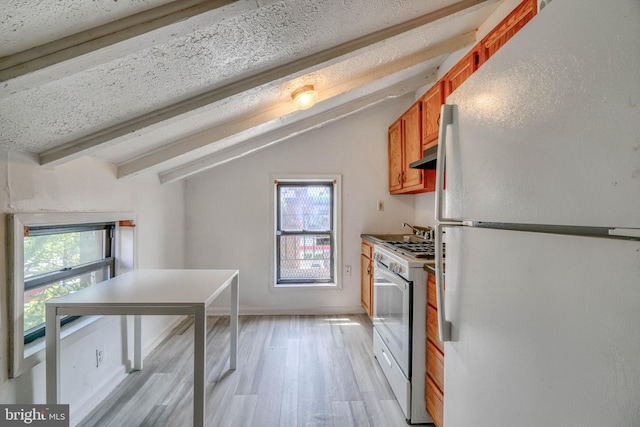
(79, 44)
(81, 146)
(243, 125)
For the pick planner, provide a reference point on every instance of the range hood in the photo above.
(428, 160)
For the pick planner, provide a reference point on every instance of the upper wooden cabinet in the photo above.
(506, 29)
(431, 103)
(395, 156)
(460, 72)
(405, 147)
(412, 147)
(418, 128)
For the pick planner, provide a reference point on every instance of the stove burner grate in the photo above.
(424, 249)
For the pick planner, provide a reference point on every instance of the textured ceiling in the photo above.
(171, 86)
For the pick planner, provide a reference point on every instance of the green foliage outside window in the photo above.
(55, 252)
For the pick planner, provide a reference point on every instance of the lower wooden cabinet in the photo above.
(435, 402)
(432, 328)
(434, 385)
(435, 365)
(366, 277)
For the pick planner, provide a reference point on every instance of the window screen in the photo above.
(305, 236)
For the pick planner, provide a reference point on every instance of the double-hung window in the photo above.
(52, 254)
(59, 260)
(305, 232)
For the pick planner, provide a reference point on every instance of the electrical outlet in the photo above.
(380, 205)
(100, 354)
(347, 270)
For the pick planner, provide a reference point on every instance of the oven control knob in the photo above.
(396, 268)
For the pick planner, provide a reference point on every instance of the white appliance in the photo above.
(399, 334)
(542, 216)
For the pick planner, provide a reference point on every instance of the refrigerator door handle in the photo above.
(446, 120)
(625, 232)
(444, 327)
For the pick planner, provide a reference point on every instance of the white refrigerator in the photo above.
(541, 220)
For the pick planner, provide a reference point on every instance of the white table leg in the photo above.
(52, 328)
(137, 343)
(234, 324)
(199, 371)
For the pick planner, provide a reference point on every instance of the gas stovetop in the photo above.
(421, 250)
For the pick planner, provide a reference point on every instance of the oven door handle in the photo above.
(399, 281)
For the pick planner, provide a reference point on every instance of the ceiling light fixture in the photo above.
(304, 97)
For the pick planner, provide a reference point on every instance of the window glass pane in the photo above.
(54, 252)
(34, 299)
(305, 207)
(304, 257)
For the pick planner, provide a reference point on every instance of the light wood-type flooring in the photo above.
(292, 371)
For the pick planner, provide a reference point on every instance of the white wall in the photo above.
(228, 208)
(89, 185)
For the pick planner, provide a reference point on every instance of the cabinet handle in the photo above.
(369, 271)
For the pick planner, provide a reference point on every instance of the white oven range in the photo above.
(399, 327)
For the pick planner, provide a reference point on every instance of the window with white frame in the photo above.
(306, 226)
(52, 254)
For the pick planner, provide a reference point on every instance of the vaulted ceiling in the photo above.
(177, 87)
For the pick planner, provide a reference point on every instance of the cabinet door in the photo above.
(435, 402)
(395, 156)
(507, 28)
(432, 328)
(365, 284)
(431, 103)
(460, 72)
(412, 139)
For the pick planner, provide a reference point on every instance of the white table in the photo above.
(148, 292)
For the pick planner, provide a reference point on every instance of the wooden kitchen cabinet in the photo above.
(417, 129)
(432, 101)
(460, 72)
(412, 137)
(434, 388)
(395, 156)
(506, 29)
(435, 403)
(405, 147)
(366, 277)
